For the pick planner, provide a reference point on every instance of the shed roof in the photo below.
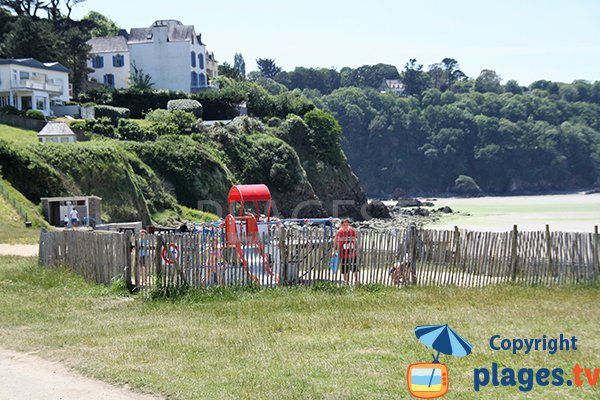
(69, 198)
(53, 128)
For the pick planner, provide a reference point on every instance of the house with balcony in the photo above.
(29, 84)
(172, 54)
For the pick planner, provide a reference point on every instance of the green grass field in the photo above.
(12, 225)
(288, 343)
(13, 134)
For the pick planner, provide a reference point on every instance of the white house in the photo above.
(56, 132)
(28, 84)
(392, 86)
(170, 52)
(110, 61)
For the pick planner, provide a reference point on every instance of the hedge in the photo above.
(188, 105)
(114, 113)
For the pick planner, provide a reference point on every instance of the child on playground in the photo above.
(345, 244)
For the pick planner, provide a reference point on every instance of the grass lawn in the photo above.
(12, 134)
(12, 225)
(288, 343)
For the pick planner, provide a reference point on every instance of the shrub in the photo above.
(78, 125)
(131, 130)
(10, 110)
(114, 113)
(187, 105)
(35, 114)
(102, 126)
(184, 121)
(466, 185)
(274, 122)
(164, 128)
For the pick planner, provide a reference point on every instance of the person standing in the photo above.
(345, 244)
(74, 218)
(66, 221)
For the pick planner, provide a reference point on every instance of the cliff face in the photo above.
(328, 172)
(254, 156)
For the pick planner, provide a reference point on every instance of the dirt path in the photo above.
(28, 377)
(25, 250)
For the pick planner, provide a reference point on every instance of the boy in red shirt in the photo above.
(345, 245)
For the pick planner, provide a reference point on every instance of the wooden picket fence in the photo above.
(290, 255)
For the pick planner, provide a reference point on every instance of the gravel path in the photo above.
(28, 377)
(25, 250)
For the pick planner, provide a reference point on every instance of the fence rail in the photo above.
(301, 256)
(6, 194)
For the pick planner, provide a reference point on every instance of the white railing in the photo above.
(31, 84)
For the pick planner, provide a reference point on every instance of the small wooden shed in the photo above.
(89, 209)
(56, 132)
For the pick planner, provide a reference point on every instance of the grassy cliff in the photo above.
(300, 161)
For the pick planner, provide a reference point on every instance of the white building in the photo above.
(171, 53)
(28, 84)
(110, 61)
(56, 132)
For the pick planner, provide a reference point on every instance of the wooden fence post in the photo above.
(158, 260)
(412, 252)
(128, 264)
(596, 255)
(513, 254)
(549, 251)
(283, 278)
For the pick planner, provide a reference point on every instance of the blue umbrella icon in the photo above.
(443, 339)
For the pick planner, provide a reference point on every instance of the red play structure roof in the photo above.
(246, 193)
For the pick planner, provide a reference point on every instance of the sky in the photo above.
(524, 40)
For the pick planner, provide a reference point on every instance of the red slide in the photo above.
(254, 259)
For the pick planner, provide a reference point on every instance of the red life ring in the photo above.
(170, 257)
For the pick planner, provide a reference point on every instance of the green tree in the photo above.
(267, 67)
(452, 72)
(103, 26)
(413, 77)
(228, 71)
(488, 81)
(239, 64)
(324, 136)
(513, 87)
(138, 79)
(31, 8)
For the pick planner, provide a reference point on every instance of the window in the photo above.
(201, 61)
(118, 60)
(4, 101)
(40, 103)
(193, 60)
(194, 79)
(201, 80)
(109, 80)
(98, 62)
(23, 75)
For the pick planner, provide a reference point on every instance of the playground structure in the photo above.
(261, 266)
(249, 235)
